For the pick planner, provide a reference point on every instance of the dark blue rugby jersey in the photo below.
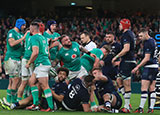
(105, 87)
(108, 68)
(151, 48)
(128, 37)
(76, 95)
(60, 88)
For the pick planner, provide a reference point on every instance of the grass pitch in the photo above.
(135, 100)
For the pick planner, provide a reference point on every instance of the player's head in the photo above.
(143, 34)
(41, 25)
(88, 80)
(62, 73)
(124, 24)
(85, 37)
(96, 72)
(20, 24)
(34, 27)
(109, 37)
(51, 25)
(65, 41)
(37, 20)
(106, 49)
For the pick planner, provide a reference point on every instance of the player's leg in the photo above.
(120, 85)
(21, 89)
(43, 80)
(9, 90)
(154, 72)
(7, 71)
(34, 89)
(22, 103)
(108, 101)
(14, 71)
(144, 94)
(152, 96)
(127, 95)
(25, 77)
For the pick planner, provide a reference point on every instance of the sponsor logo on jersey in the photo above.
(74, 56)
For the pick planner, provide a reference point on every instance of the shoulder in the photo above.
(75, 43)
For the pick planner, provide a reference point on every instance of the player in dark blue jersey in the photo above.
(59, 89)
(108, 68)
(105, 91)
(78, 95)
(149, 62)
(127, 61)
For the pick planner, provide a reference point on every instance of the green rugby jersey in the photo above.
(53, 51)
(41, 42)
(88, 61)
(27, 45)
(70, 57)
(16, 51)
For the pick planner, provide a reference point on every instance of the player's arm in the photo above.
(84, 50)
(54, 44)
(13, 42)
(125, 49)
(143, 62)
(57, 97)
(86, 107)
(35, 52)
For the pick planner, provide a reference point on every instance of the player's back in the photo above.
(151, 48)
(76, 95)
(41, 42)
(128, 37)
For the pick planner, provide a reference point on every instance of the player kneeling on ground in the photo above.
(109, 100)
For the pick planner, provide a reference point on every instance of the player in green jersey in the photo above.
(69, 54)
(39, 56)
(13, 56)
(89, 62)
(52, 36)
(27, 72)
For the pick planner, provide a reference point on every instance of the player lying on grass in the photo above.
(58, 91)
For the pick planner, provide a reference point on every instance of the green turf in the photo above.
(135, 99)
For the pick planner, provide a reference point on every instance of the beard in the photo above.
(61, 80)
(68, 46)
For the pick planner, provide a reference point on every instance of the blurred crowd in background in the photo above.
(72, 24)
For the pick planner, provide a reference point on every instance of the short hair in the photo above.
(110, 32)
(107, 48)
(143, 30)
(88, 78)
(35, 24)
(37, 20)
(63, 69)
(86, 33)
(96, 68)
(61, 37)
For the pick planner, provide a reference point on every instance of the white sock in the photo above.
(152, 99)
(127, 96)
(122, 90)
(144, 95)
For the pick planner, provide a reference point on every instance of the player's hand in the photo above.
(134, 70)
(93, 55)
(94, 108)
(113, 60)
(101, 63)
(27, 65)
(55, 39)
